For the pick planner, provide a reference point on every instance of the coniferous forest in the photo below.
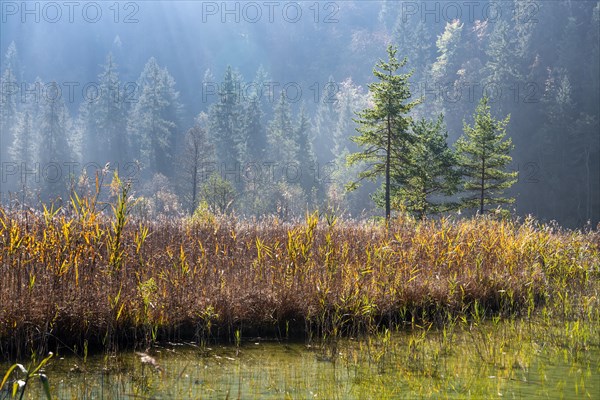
(314, 199)
(255, 113)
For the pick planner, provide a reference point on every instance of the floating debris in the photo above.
(149, 360)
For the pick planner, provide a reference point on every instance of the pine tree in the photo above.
(444, 83)
(172, 112)
(335, 175)
(483, 155)
(54, 143)
(25, 147)
(500, 67)
(431, 171)
(253, 142)
(524, 25)
(384, 127)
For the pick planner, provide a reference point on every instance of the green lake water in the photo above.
(506, 360)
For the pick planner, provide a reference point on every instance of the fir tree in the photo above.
(349, 99)
(24, 145)
(483, 155)
(281, 134)
(9, 90)
(384, 127)
(443, 71)
(111, 112)
(102, 120)
(154, 119)
(305, 157)
(55, 144)
(254, 132)
(430, 173)
(225, 122)
(325, 123)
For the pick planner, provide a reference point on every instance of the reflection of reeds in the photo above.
(87, 277)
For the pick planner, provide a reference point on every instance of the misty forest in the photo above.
(382, 199)
(205, 120)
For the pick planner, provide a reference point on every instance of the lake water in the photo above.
(508, 360)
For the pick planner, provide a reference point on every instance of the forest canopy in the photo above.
(222, 109)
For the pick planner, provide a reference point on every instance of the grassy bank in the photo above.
(87, 279)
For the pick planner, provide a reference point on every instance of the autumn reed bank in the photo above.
(81, 278)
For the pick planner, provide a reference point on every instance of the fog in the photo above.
(90, 83)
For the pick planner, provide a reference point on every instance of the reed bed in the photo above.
(82, 278)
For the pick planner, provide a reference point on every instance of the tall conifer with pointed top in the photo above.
(483, 155)
(383, 128)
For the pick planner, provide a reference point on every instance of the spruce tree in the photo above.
(281, 134)
(443, 70)
(305, 157)
(225, 122)
(9, 91)
(430, 173)
(325, 122)
(55, 144)
(384, 127)
(501, 68)
(111, 112)
(483, 156)
(254, 133)
(102, 121)
(24, 145)
(349, 98)
(154, 119)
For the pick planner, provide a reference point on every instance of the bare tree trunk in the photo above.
(481, 209)
(387, 171)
